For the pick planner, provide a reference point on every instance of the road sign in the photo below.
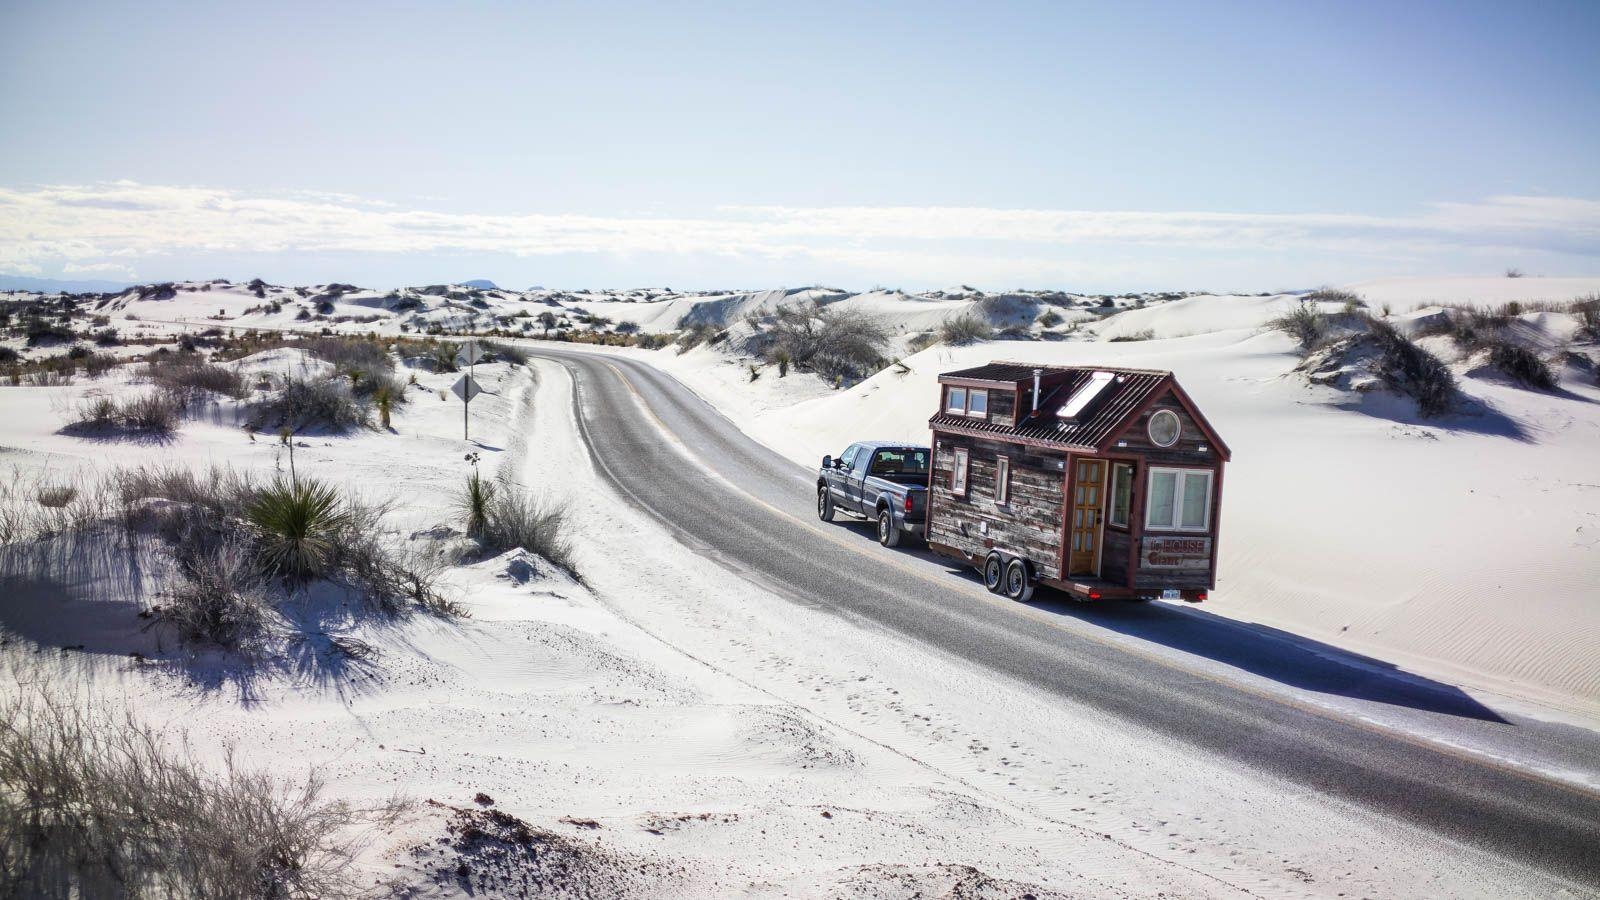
(470, 354)
(466, 388)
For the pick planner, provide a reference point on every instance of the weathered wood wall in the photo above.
(1136, 439)
(1003, 407)
(1029, 525)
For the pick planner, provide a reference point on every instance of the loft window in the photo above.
(1002, 480)
(1164, 428)
(1179, 500)
(1121, 494)
(978, 403)
(958, 401)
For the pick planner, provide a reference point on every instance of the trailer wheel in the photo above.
(888, 534)
(824, 503)
(1019, 585)
(994, 572)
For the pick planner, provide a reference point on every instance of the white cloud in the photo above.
(100, 268)
(83, 225)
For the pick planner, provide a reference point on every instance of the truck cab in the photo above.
(883, 481)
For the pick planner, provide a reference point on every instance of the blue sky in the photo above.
(1093, 147)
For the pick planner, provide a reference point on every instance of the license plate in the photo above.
(1172, 594)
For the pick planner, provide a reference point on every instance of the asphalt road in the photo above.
(751, 510)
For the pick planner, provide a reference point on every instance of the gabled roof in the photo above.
(1119, 404)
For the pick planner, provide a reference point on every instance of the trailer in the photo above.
(1101, 482)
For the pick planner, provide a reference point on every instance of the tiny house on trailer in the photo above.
(1097, 481)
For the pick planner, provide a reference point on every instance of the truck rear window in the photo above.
(906, 462)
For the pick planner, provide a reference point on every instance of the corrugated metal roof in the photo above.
(998, 371)
(1105, 418)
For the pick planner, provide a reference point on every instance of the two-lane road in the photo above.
(744, 506)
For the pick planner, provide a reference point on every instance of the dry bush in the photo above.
(187, 374)
(1133, 336)
(1412, 370)
(1587, 311)
(838, 344)
(965, 329)
(97, 805)
(1350, 300)
(1522, 365)
(1305, 323)
(309, 403)
(537, 525)
(221, 599)
(157, 412)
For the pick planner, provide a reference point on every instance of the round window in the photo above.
(1165, 428)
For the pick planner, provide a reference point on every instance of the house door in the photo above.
(1088, 500)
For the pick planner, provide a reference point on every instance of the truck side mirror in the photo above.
(827, 461)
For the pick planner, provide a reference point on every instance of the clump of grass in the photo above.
(516, 355)
(538, 526)
(190, 375)
(1587, 311)
(309, 402)
(1305, 323)
(1522, 366)
(156, 412)
(965, 329)
(1050, 319)
(221, 599)
(297, 527)
(1412, 370)
(94, 804)
(1142, 335)
(56, 496)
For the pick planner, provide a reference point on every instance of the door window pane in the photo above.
(1121, 493)
(1163, 496)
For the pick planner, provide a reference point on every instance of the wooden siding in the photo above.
(1029, 525)
(1135, 439)
(1003, 407)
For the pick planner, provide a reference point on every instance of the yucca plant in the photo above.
(297, 527)
(383, 398)
(476, 503)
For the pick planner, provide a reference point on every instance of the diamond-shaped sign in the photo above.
(465, 388)
(470, 354)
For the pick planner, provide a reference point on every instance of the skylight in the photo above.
(1084, 396)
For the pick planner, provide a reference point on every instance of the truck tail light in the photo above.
(908, 503)
(1094, 595)
(1199, 597)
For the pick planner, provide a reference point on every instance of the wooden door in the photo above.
(1088, 503)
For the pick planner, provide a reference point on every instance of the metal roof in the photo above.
(1124, 397)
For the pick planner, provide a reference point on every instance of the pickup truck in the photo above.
(877, 480)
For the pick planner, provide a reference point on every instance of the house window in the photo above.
(958, 401)
(1121, 494)
(1002, 480)
(1164, 428)
(1180, 500)
(958, 476)
(978, 404)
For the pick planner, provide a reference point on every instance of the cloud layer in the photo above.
(108, 228)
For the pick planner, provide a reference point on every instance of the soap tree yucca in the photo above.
(298, 526)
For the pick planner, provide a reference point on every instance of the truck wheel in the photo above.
(888, 532)
(824, 503)
(994, 572)
(1019, 586)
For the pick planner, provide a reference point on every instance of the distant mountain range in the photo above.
(51, 285)
(481, 284)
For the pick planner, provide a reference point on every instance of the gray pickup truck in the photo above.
(877, 480)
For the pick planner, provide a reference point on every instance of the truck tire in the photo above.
(1019, 584)
(824, 503)
(888, 532)
(994, 572)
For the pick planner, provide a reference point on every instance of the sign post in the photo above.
(467, 386)
(466, 389)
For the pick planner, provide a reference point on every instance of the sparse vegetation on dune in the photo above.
(965, 329)
(1306, 323)
(840, 345)
(1412, 370)
(98, 805)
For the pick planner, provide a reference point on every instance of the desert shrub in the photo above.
(922, 341)
(1522, 365)
(838, 344)
(474, 503)
(94, 804)
(42, 331)
(309, 403)
(107, 337)
(78, 352)
(1133, 336)
(297, 527)
(509, 353)
(1050, 318)
(1413, 370)
(188, 374)
(56, 496)
(965, 329)
(221, 598)
(652, 341)
(346, 354)
(627, 328)
(1586, 309)
(9, 355)
(1305, 323)
(694, 336)
(538, 526)
(443, 358)
(97, 364)
(157, 412)
(1350, 300)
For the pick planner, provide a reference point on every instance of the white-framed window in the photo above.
(958, 475)
(1002, 480)
(1164, 428)
(1121, 494)
(957, 401)
(1178, 500)
(978, 403)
